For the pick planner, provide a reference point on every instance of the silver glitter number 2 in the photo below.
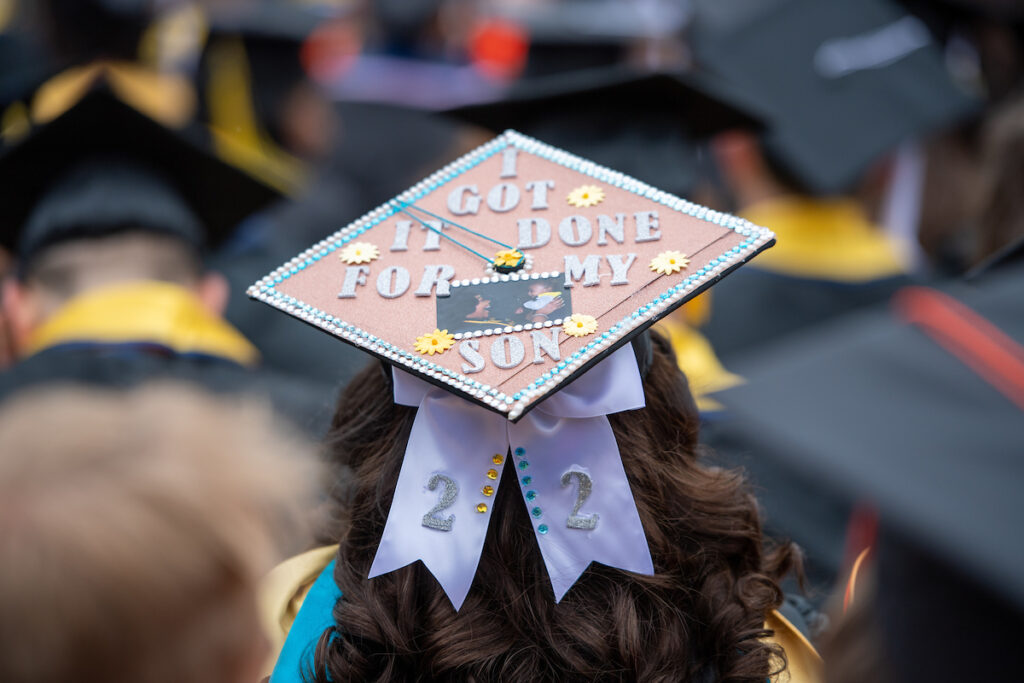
(585, 486)
(451, 490)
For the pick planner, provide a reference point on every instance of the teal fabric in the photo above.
(315, 616)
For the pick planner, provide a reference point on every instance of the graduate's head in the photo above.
(528, 503)
(712, 581)
(481, 308)
(103, 195)
(134, 528)
(106, 221)
(538, 288)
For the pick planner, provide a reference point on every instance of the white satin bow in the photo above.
(567, 465)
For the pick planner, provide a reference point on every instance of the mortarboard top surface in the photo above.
(691, 101)
(100, 125)
(878, 408)
(640, 123)
(578, 223)
(848, 80)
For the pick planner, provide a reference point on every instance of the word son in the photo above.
(507, 351)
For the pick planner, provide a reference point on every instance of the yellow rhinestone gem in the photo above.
(492, 474)
(481, 507)
(488, 490)
(498, 459)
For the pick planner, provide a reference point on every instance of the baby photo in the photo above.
(543, 301)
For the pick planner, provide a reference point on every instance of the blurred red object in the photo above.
(331, 50)
(498, 48)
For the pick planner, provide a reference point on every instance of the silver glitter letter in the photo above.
(436, 275)
(508, 162)
(503, 197)
(469, 349)
(540, 192)
(620, 269)
(433, 235)
(647, 226)
(401, 282)
(354, 275)
(574, 270)
(527, 240)
(546, 344)
(460, 204)
(401, 242)
(605, 227)
(507, 351)
(567, 234)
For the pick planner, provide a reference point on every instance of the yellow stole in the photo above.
(143, 312)
(825, 239)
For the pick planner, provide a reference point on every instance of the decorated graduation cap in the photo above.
(102, 167)
(848, 80)
(504, 290)
(646, 124)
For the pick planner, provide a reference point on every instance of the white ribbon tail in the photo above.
(578, 497)
(451, 443)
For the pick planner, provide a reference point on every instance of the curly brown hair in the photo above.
(699, 618)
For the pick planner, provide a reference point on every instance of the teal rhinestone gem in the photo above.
(523, 464)
(542, 529)
(530, 495)
(536, 512)
(527, 481)
(520, 451)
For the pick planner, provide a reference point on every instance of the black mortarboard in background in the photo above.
(643, 124)
(848, 80)
(573, 35)
(101, 132)
(272, 34)
(79, 31)
(385, 147)
(919, 410)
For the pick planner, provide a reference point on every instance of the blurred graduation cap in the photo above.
(919, 411)
(273, 34)
(102, 166)
(644, 124)
(251, 66)
(581, 34)
(848, 80)
(79, 31)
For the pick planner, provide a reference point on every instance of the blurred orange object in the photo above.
(498, 48)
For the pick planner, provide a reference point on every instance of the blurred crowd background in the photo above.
(882, 140)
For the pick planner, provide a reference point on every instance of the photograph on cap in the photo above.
(489, 307)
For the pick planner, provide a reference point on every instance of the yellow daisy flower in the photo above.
(508, 257)
(579, 325)
(359, 252)
(668, 262)
(586, 195)
(437, 341)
